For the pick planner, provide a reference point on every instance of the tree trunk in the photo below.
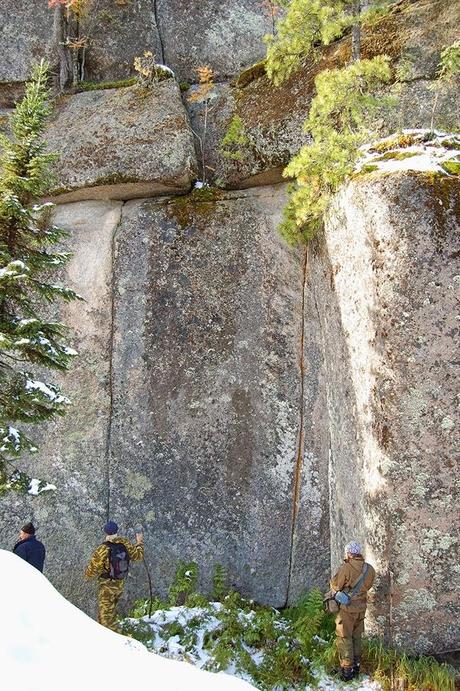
(64, 61)
(356, 33)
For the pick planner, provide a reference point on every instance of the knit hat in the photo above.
(28, 528)
(353, 547)
(111, 528)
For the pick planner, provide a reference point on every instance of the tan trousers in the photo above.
(349, 627)
(109, 593)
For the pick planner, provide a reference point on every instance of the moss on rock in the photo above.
(196, 208)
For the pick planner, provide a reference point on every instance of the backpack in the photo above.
(118, 560)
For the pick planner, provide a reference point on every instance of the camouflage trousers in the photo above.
(349, 627)
(109, 593)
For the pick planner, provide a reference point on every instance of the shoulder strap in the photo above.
(360, 580)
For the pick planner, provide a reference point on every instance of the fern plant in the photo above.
(184, 583)
(219, 581)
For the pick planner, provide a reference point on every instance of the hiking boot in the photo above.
(347, 673)
(356, 668)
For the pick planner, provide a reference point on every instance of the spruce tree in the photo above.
(341, 113)
(30, 344)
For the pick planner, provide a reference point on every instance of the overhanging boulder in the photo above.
(121, 144)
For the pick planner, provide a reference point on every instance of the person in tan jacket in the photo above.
(349, 622)
(111, 571)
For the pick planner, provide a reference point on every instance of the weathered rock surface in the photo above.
(413, 34)
(73, 450)
(228, 384)
(225, 36)
(199, 410)
(207, 391)
(25, 36)
(121, 144)
(386, 281)
(117, 33)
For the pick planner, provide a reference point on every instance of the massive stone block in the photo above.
(121, 143)
(207, 391)
(386, 282)
(197, 399)
(73, 450)
(225, 36)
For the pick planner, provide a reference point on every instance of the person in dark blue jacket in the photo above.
(29, 548)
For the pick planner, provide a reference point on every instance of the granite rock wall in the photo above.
(386, 281)
(250, 404)
(192, 398)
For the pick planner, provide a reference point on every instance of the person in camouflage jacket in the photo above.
(110, 590)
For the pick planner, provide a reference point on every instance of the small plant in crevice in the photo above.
(149, 72)
(234, 140)
(448, 72)
(203, 95)
(271, 9)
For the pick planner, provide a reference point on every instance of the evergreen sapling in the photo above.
(28, 339)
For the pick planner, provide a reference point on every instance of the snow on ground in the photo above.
(419, 150)
(48, 644)
(199, 656)
(37, 486)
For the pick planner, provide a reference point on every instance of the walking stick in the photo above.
(150, 587)
(139, 529)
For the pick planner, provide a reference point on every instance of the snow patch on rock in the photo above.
(412, 149)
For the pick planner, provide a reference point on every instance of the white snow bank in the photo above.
(48, 644)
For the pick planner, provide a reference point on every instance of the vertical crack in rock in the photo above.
(108, 445)
(160, 38)
(300, 445)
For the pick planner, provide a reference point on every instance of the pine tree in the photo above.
(341, 113)
(28, 340)
(339, 121)
(310, 24)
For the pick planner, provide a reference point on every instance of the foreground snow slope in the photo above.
(48, 644)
